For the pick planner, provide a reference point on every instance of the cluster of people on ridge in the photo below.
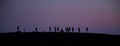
(57, 29)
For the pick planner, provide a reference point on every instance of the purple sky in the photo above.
(101, 16)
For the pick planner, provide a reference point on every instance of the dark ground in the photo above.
(58, 39)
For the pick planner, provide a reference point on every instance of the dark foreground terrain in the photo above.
(58, 39)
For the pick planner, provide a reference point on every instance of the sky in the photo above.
(101, 16)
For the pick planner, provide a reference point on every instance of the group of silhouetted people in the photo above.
(57, 29)
(18, 29)
(67, 29)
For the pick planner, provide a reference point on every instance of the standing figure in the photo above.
(62, 31)
(36, 29)
(72, 29)
(79, 29)
(55, 29)
(18, 28)
(69, 29)
(66, 29)
(87, 29)
(50, 29)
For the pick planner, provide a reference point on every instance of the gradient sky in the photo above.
(101, 16)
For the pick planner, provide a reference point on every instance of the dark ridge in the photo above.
(59, 39)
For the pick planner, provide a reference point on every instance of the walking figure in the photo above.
(72, 29)
(86, 29)
(36, 29)
(50, 29)
(79, 29)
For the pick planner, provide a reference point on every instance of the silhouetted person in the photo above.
(72, 29)
(66, 29)
(18, 28)
(69, 29)
(50, 29)
(55, 29)
(86, 29)
(61, 31)
(79, 29)
(36, 29)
